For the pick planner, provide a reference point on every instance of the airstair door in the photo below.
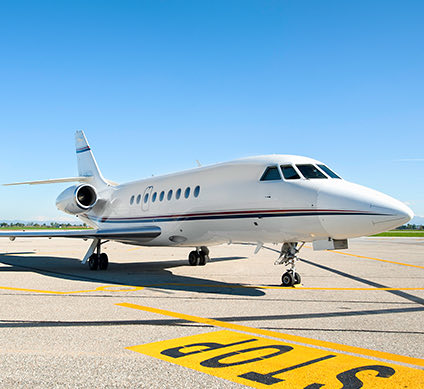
(146, 198)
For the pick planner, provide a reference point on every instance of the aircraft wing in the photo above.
(51, 181)
(59, 181)
(122, 234)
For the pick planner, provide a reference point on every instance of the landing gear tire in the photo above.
(203, 258)
(103, 261)
(287, 279)
(204, 249)
(93, 262)
(193, 258)
(297, 278)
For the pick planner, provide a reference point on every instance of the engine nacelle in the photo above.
(77, 199)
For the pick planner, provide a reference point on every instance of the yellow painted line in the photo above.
(316, 288)
(30, 290)
(119, 288)
(270, 287)
(377, 259)
(260, 362)
(279, 335)
(131, 288)
(104, 288)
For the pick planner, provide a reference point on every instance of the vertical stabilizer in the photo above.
(87, 165)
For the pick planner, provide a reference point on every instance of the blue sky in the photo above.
(159, 84)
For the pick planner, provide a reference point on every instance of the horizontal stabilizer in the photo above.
(51, 181)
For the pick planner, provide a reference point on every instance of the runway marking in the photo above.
(260, 362)
(272, 287)
(376, 259)
(119, 288)
(279, 335)
(104, 288)
(131, 288)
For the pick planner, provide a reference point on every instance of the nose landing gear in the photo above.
(288, 257)
(200, 257)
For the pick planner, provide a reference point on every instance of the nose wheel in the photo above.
(288, 257)
(290, 279)
(199, 257)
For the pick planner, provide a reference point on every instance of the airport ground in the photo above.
(153, 321)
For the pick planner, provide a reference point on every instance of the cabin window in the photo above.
(289, 173)
(170, 195)
(161, 196)
(178, 193)
(132, 200)
(154, 197)
(310, 171)
(138, 199)
(146, 198)
(271, 173)
(196, 191)
(187, 192)
(329, 172)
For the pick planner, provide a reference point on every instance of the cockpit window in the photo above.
(271, 173)
(329, 172)
(310, 171)
(289, 173)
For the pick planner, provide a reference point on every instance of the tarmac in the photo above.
(153, 321)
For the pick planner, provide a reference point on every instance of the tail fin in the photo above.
(87, 165)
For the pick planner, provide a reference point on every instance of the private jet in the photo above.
(271, 199)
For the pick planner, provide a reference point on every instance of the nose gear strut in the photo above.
(288, 257)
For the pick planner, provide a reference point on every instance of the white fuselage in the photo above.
(234, 205)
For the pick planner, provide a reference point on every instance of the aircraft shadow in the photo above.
(155, 275)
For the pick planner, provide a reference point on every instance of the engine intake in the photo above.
(77, 199)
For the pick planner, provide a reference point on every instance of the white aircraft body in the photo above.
(282, 199)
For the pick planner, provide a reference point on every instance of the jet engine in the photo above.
(77, 199)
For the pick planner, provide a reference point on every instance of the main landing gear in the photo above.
(200, 256)
(288, 257)
(98, 260)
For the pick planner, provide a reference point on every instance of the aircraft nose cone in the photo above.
(408, 214)
(362, 211)
(394, 213)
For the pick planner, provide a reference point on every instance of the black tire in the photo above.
(103, 261)
(204, 258)
(193, 258)
(287, 279)
(297, 279)
(205, 250)
(93, 262)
